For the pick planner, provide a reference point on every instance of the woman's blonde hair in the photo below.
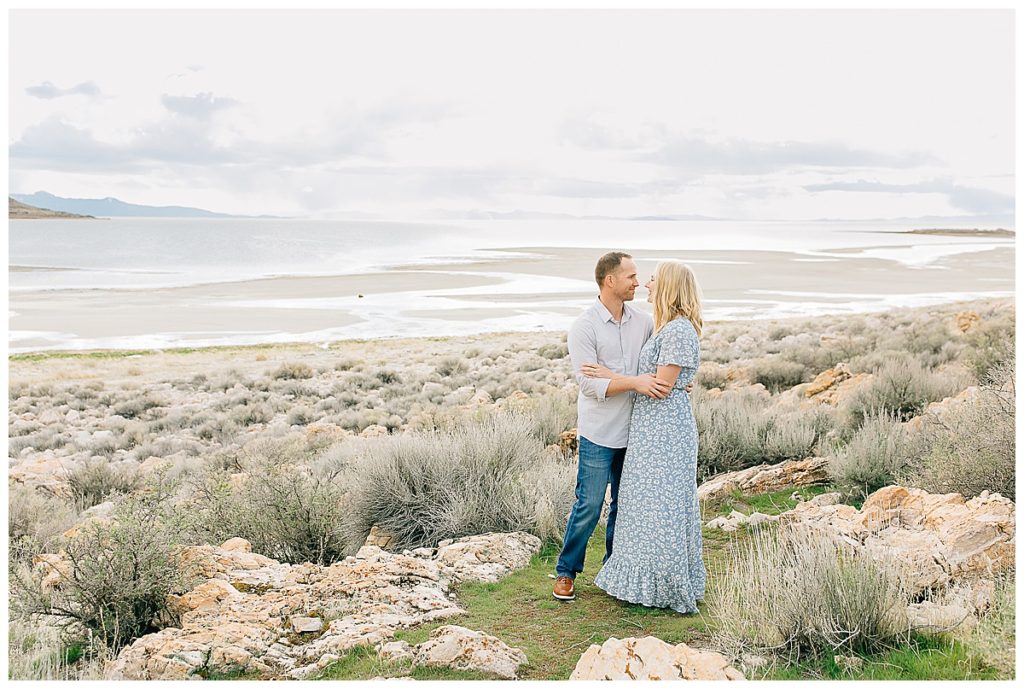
(676, 293)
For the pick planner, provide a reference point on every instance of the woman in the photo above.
(657, 557)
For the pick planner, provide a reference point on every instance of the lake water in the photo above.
(160, 253)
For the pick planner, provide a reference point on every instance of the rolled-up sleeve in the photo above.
(582, 343)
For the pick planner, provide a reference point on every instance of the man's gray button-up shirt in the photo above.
(595, 338)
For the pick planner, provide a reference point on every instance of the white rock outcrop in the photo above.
(650, 658)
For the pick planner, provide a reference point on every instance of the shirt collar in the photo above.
(606, 315)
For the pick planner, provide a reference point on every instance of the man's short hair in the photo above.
(607, 265)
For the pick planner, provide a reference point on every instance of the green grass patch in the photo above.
(520, 611)
(925, 658)
(766, 503)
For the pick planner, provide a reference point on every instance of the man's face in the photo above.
(623, 280)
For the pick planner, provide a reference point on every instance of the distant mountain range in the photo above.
(115, 208)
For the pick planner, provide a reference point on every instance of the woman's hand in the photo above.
(596, 371)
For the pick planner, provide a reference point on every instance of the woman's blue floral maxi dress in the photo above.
(657, 552)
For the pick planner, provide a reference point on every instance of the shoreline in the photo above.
(520, 289)
(400, 341)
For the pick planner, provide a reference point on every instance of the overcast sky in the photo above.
(739, 114)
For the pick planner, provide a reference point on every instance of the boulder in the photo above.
(828, 379)
(938, 411)
(486, 557)
(396, 651)
(650, 658)
(373, 431)
(463, 649)
(966, 320)
(380, 539)
(932, 540)
(766, 478)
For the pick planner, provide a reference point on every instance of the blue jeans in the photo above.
(598, 466)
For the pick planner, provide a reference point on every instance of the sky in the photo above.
(744, 114)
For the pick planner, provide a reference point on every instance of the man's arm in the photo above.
(582, 343)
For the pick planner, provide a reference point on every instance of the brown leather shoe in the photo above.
(565, 589)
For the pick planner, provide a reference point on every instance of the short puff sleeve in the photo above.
(679, 345)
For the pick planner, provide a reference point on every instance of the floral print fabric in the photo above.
(657, 558)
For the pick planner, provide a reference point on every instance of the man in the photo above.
(610, 333)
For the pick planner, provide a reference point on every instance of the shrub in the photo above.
(709, 377)
(553, 351)
(989, 344)
(548, 416)
(901, 387)
(286, 509)
(346, 364)
(738, 430)
(777, 374)
(300, 416)
(973, 447)
(794, 591)
(35, 522)
(120, 572)
(449, 366)
(135, 408)
(38, 651)
(292, 371)
(993, 638)
(96, 480)
(489, 475)
(875, 456)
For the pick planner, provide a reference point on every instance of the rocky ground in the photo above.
(251, 615)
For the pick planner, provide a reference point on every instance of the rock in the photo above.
(568, 442)
(246, 612)
(825, 499)
(849, 663)
(932, 540)
(208, 594)
(827, 379)
(966, 320)
(379, 538)
(481, 398)
(152, 464)
(757, 519)
(373, 431)
(938, 411)
(50, 416)
(41, 471)
(766, 478)
(303, 625)
(51, 569)
(932, 617)
(650, 658)
(486, 557)
(395, 651)
(737, 519)
(753, 662)
(831, 387)
(463, 649)
(236, 545)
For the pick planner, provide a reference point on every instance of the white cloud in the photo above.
(735, 113)
(48, 90)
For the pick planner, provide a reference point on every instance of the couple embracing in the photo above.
(637, 433)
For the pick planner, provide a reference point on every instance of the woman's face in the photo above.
(650, 290)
